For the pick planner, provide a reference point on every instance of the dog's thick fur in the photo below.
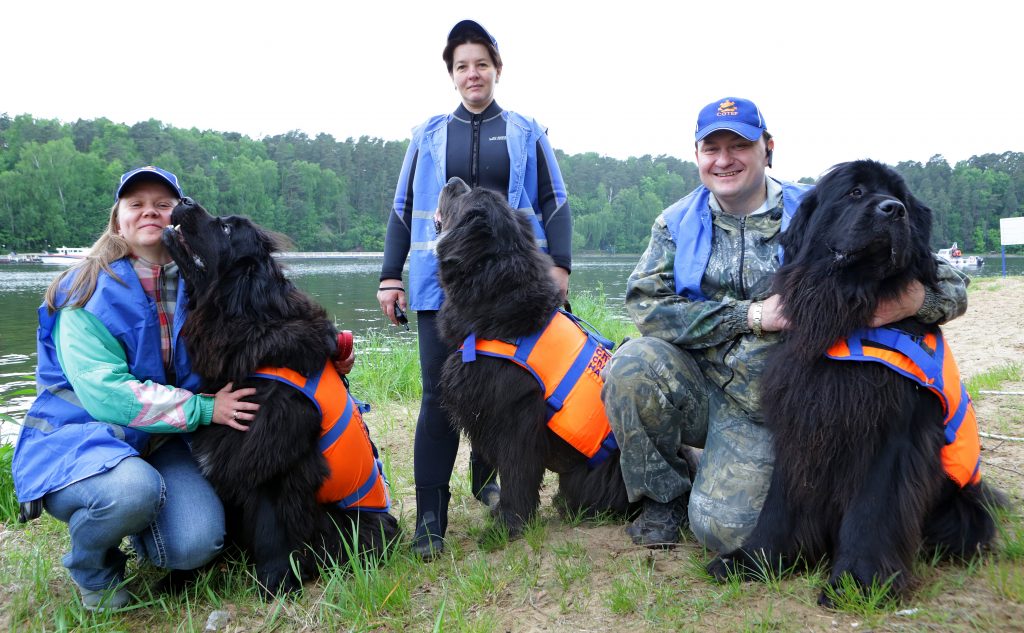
(497, 284)
(858, 477)
(244, 314)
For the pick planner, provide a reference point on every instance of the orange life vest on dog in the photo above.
(567, 362)
(357, 477)
(928, 362)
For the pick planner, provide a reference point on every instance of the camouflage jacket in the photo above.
(744, 257)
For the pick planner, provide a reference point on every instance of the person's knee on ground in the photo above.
(100, 511)
(732, 481)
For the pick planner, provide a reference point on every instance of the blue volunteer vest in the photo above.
(429, 146)
(60, 443)
(689, 223)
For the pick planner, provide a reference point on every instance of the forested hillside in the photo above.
(56, 185)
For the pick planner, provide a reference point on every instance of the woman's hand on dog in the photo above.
(389, 293)
(230, 409)
(344, 365)
(561, 277)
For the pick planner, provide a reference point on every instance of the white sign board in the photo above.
(1011, 231)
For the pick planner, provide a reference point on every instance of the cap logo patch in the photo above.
(727, 108)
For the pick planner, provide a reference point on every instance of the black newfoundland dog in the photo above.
(498, 288)
(867, 471)
(248, 324)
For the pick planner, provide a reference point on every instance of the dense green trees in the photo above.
(56, 183)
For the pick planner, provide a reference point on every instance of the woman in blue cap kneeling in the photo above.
(102, 447)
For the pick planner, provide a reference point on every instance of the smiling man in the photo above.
(701, 297)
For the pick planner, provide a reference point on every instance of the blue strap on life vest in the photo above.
(910, 346)
(579, 365)
(371, 481)
(331, 436)
(310, 389)
(608, 446)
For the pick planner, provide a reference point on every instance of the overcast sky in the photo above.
(891, 80)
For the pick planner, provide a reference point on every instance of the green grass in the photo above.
(993, 379)
(564, 574)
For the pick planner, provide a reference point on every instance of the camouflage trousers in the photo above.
(658, 400)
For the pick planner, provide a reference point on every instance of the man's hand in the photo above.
(771, 315)
(905, 305)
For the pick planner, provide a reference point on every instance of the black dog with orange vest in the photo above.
(304, 483)
(525, 383)
(877, 448)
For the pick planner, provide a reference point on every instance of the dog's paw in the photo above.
(722, 567)
(276, 581)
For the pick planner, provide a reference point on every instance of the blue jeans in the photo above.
(171, 513)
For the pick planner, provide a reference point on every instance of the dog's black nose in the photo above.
(894, 208)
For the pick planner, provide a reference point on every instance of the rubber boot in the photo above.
(483, 481)
(431, 522)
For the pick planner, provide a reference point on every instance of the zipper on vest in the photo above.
(743, 250)
(475, 166)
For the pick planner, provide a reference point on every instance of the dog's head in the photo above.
(207, 247)
(493, 274)
(448, 202)
(862, 222)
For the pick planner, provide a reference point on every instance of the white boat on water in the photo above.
(964, 262)
(64, 256)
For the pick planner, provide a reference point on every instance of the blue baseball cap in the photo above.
(469, 26)
(734, 114)
(148, 173)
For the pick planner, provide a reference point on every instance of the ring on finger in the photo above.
(234, 415)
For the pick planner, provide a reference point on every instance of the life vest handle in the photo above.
(589, 328)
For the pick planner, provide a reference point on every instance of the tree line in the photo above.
(56, 184)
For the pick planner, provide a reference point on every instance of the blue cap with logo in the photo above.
(734, 114)
(462, 27)
(148, 173)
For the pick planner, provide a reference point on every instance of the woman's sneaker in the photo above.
(110, 599)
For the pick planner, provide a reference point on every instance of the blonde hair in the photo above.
(109, 248)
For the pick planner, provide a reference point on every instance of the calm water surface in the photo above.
(345, 287)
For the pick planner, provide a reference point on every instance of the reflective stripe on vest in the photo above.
(928, 362)
(357, 477)
(566, 361)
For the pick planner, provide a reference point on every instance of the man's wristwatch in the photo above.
(756, 309)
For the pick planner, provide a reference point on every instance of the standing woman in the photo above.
(488, 147)
(102, 448)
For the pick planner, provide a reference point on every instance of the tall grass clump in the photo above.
(592, 306)
(387, 368)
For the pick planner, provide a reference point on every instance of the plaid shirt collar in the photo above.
(161, 284)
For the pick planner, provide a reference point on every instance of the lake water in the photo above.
(345, 287)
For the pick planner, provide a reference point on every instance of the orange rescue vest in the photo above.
(927, 361)
(567, 361)
(357, 477)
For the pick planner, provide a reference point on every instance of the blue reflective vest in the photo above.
(60, 443)
(428, 147)
(689, 222)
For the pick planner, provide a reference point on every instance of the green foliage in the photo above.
(56, 184)
(8, 500)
